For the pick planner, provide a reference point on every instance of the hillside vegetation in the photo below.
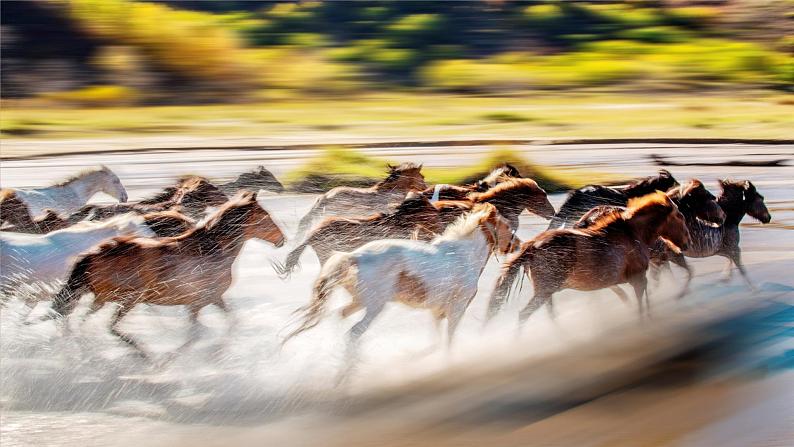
(111, 52)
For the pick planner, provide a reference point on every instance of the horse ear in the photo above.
(748, 186)
(664, 173)
(419, 168)
(391, 167)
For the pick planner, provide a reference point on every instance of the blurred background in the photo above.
(324, 71)
(324, 93)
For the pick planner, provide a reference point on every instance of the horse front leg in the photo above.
(736, 258)
(539, 299)
(122, 310)
(680, 261)
(640, 284)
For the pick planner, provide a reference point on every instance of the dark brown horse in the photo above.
(501, 173)
(414, 218)
(584, 199)
(347, 201)
(615, 250)
(14, 213)
(511, 198)
(692, 199)
(193, 269)
(737, 199)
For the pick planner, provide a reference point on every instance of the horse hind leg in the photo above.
(620, 293)
(353, 340)
(539, 299)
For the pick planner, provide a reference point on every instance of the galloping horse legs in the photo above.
(353, 338)
(120, 313)
(540, 298)
(680, 261)
(620, 293)
(640, 284)
(736, 257)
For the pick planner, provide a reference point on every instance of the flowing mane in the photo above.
(467, 223)
(662, 181)
(516, 185)
(396, 171)
(635, 206)
(82, 174)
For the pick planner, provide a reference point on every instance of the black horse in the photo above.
(738, 198)
(584, 199)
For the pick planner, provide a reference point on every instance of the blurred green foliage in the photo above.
(232, 50)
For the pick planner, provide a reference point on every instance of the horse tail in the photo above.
(291, 263)
(76, 285)
(307, 220)
(330, 276)
(511, 269)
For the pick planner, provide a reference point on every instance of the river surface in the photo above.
(86, 389)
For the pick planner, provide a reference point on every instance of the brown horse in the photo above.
(14, 212)
(501, 173)
(414, 218)
(347, 201)
(193, 194)
(511, 197)
(737, 199)
(615, 250)
(193, 269)
(694, 201)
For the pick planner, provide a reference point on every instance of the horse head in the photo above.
(405, 177)
(741, 197)
(244, 213)
(260, 178)
(110, 184)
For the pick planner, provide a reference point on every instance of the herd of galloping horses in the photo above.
(398, 240)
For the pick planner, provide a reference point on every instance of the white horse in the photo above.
(68, 196)
(441, 275)
(36, 265)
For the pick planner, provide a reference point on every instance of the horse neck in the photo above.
(84, 187)
(226, 238)
(395, 186)
(642, 230)
(733, 208)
